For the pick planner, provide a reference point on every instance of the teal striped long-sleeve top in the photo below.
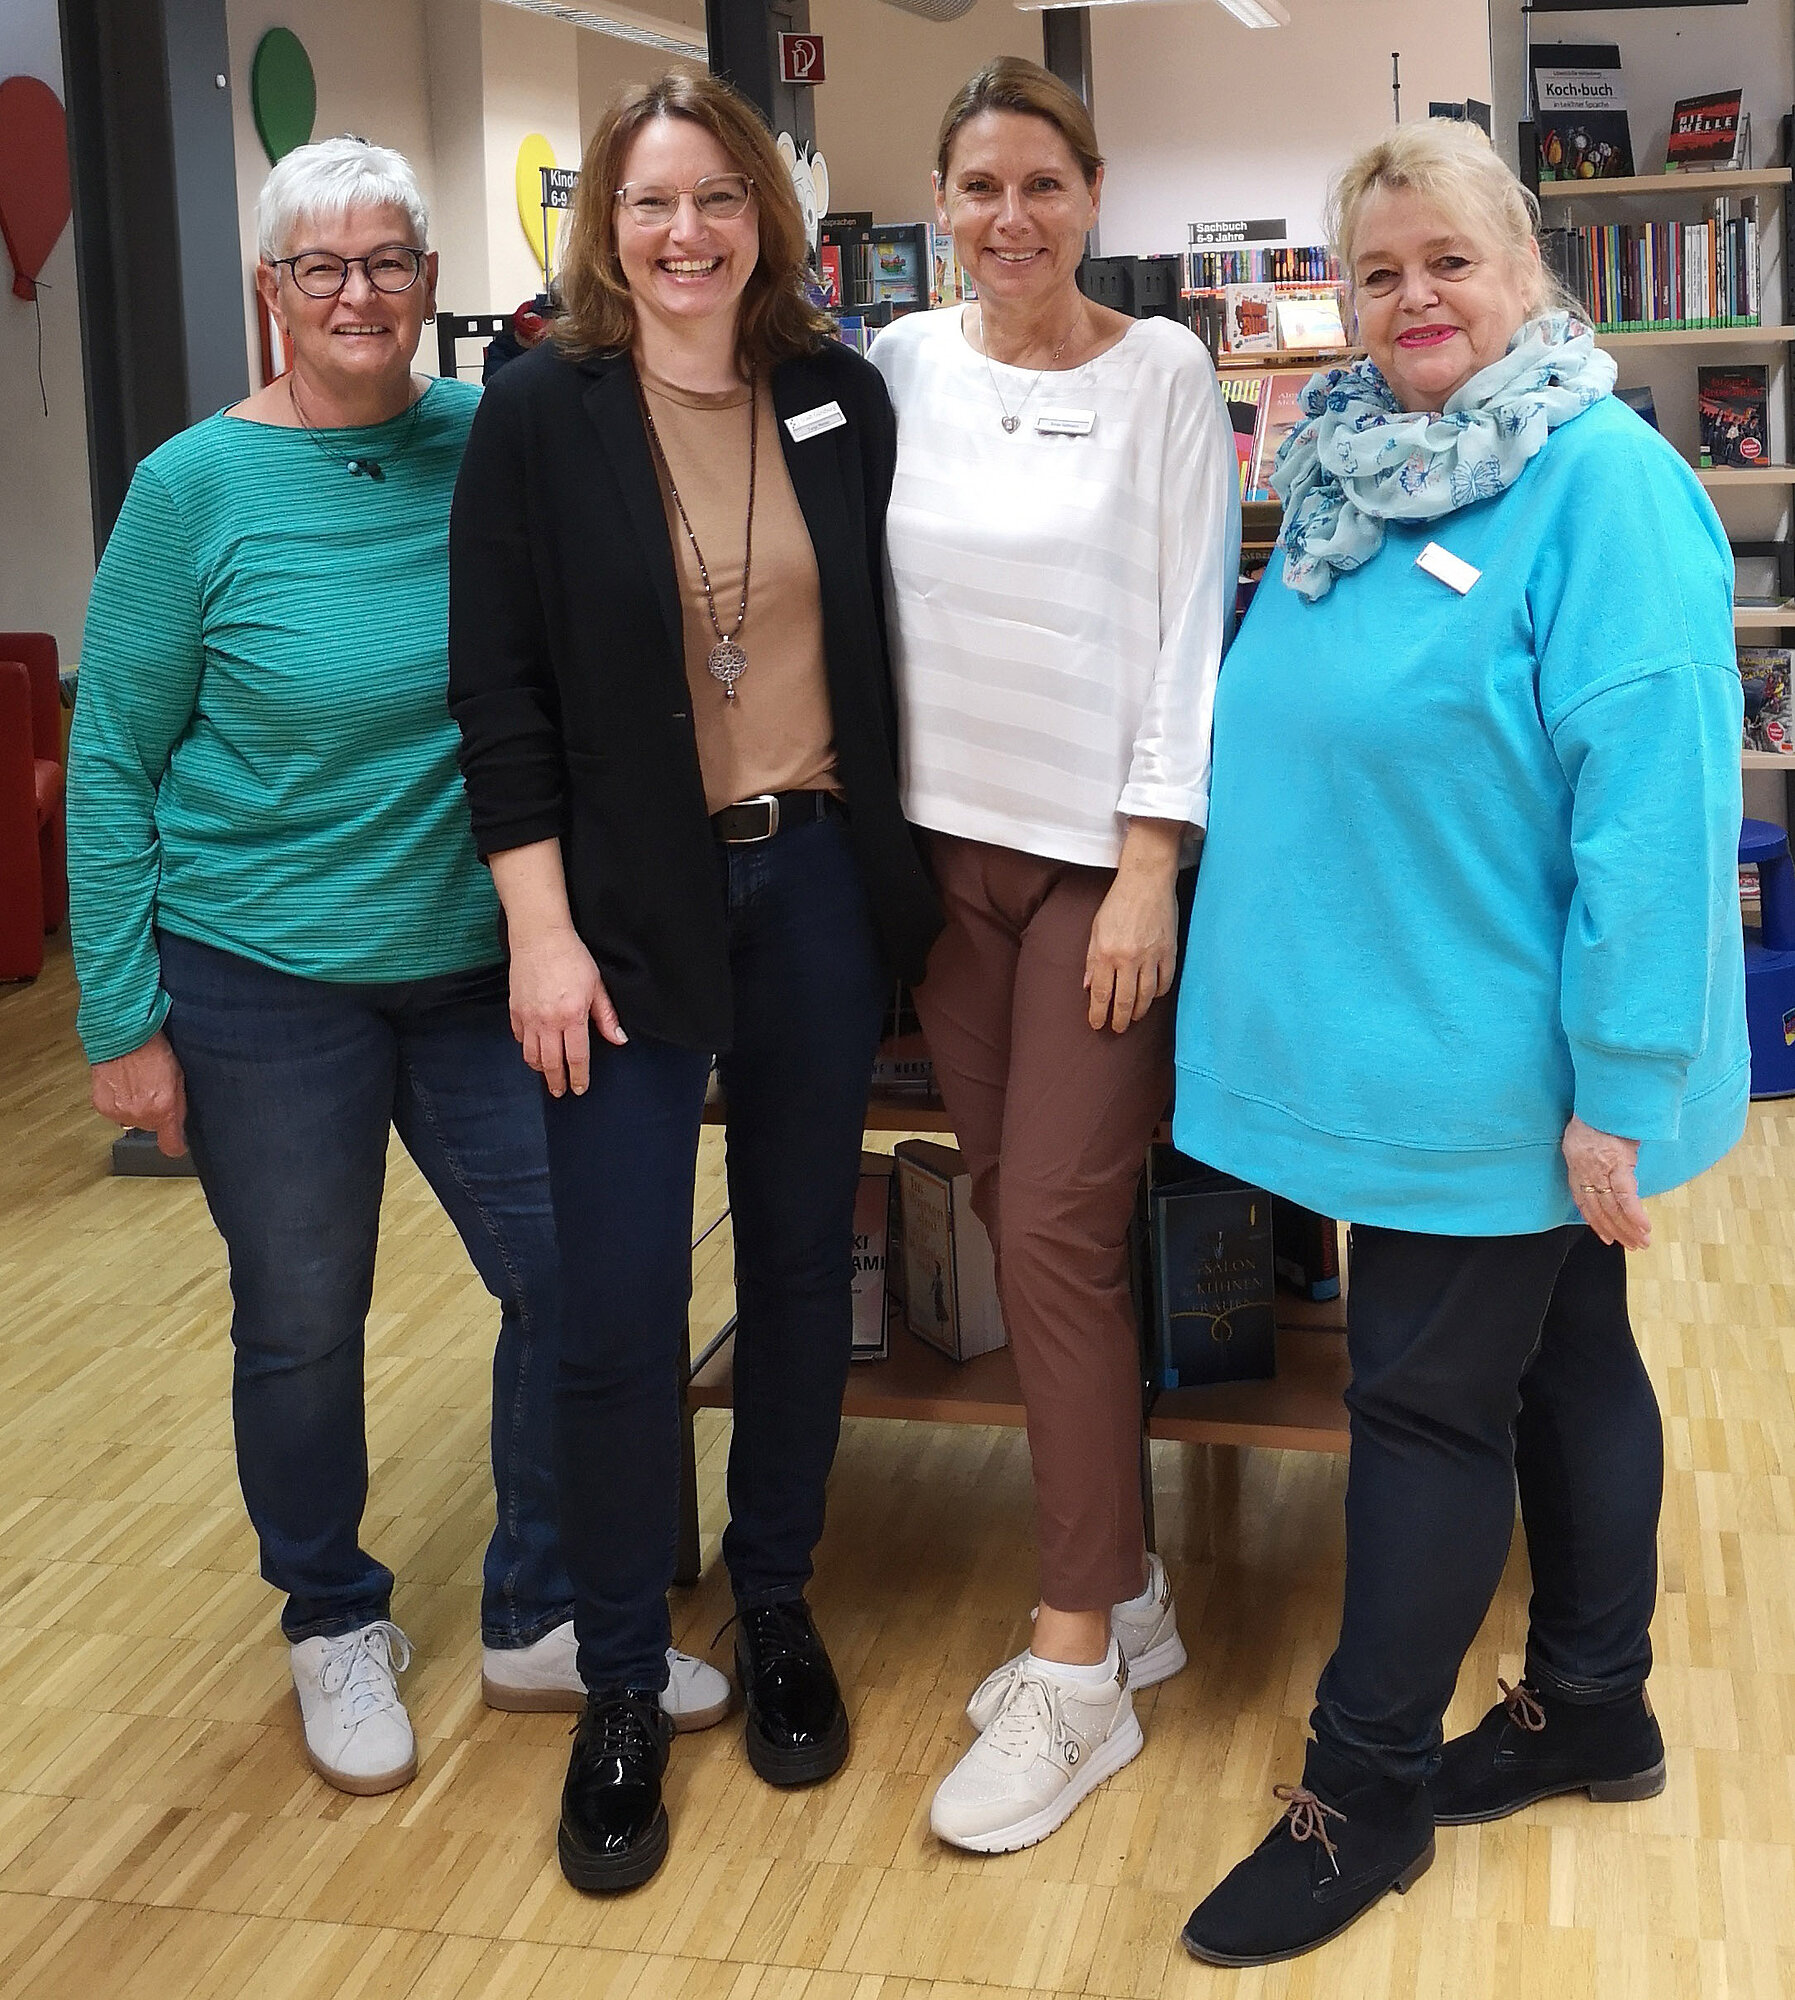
(262, 756)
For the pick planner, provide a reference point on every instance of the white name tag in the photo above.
(1066, 423)
(811, 423)
(1453, 571)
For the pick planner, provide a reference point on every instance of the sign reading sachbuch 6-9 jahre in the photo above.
(1226, 235)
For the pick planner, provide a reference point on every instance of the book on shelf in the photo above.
(1643, 277)
(872, 1237)
(1305, 1249)
(1241, 394)
(1711, 132)
(1639, 401)
(899, 264)
(1250, 325)
(950, 1276)
(1309, 321)
(1205, 1282)
(1580, 112)
(1279, 414)
(1733, 407)
(1765, 678)
(1287, 264)
(950, 285)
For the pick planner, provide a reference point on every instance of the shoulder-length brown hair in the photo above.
(1013, 83)
(599, 316)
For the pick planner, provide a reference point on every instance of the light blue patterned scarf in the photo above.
(1362, 460)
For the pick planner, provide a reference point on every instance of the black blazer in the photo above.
(567, 669)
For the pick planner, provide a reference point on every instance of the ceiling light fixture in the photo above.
(624, 24)
(1251, 13)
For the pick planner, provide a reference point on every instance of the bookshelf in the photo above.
(1302, 1407)
(1663, 184)
(1757, 503)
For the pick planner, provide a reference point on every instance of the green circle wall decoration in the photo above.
(284, 93)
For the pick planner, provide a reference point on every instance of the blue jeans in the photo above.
(292, 1085)
(1479, 1365)
(809, 992)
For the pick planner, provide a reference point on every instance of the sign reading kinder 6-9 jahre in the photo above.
(1225, 235)
(559, 186)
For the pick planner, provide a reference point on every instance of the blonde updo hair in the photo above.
(1450, 163)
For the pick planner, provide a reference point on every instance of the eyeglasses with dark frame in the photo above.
(322, 274)
(717, 197)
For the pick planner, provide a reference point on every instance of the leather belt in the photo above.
(767, 813)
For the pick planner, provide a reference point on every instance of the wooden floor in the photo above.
(161, 1836)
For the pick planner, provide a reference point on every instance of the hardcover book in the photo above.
(1279, 414)
(1707, 131)
(1580, 112)
(872, 1237)
(1305, 1249)
(1764, 677)
(1209, 1311)
(1734, 409)
(950, 1276)
(1251, 322)
(1311, 320)
(1640, 402)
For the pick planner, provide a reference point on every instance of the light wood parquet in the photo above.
(160, 1835)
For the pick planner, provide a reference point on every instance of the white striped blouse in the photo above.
(1059, 598)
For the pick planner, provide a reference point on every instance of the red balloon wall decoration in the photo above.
(34, 177)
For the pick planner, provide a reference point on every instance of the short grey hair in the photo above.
(324, 181)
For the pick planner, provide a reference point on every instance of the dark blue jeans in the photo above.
(809, 993)
(1480, 1363)
(292, 1086)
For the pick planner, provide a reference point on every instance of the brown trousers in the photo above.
(1054, 1118)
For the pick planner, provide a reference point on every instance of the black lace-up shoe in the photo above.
(613, 1825)
(1534, 1745)
(1347, 1837)
(797, 1727)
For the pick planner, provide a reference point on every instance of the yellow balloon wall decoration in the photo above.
(532, 156)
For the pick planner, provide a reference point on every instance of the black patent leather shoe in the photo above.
(1533, 1745)
(797, 1727)
(613, 1824)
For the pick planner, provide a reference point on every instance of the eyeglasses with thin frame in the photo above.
(321, 274)
(717, 197)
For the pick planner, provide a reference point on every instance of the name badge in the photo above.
(1066, 423)
(812, 423)
(1453, 571)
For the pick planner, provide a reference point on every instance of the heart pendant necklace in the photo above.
(727, 660)
(1011, 420)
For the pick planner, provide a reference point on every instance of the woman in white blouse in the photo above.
(1063, 539)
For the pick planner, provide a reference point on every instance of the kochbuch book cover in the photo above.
(1580, 112)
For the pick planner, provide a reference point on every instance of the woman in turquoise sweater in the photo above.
(1478, 743)
(287, 946)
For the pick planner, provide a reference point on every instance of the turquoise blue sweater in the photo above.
(263, 757)
(1472, 861)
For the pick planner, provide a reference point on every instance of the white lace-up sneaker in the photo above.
(546, 1676)
(357, 1734)
(1146, 1629)
(1048, 1743)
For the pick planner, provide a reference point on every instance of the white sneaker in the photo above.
(1146, 1629)
(357, 1733)
(546, 1676)
(1049, 1742)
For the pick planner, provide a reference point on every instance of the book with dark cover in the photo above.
(1734, 408)
(1706, 131)
(1640, 402)
(1209, 1307)
(1580, 111)
(1306, 1249)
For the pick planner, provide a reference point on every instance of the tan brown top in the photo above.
(778, 734)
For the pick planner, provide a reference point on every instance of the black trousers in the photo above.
(1480, 1363)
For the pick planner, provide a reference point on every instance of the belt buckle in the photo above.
(771, 801)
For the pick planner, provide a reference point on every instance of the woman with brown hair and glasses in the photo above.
(667, 660)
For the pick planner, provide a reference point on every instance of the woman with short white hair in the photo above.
(1510, 1003)
(287, 946)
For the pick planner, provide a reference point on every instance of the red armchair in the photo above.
(34, 876)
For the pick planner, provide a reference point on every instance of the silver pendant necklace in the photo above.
(1012, 419)
(727, 659)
